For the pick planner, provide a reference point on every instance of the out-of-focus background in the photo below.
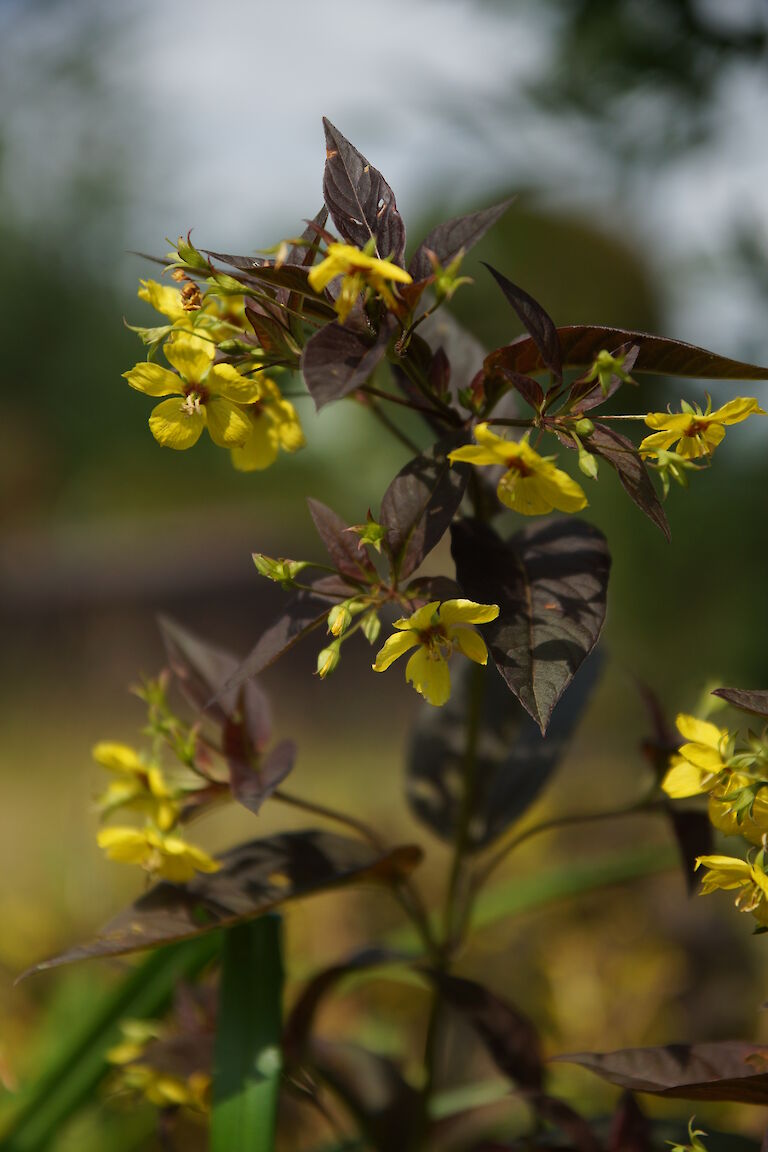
(633, 133)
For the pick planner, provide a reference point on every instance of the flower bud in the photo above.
(371, 626)
(328, 659)
(587, 463)
(281, 571)
(339, 618)
(584, 427)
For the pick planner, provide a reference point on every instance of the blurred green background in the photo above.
(633, 136)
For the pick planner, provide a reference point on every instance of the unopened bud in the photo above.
(587, 463)
(282, 571)
(339, 619)
(584, 427)
(371, 626)
(328, 659)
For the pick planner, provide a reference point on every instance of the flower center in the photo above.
(516, 464)
(194, 399)
(696, 427)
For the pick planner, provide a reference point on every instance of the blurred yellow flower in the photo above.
(730, 818)
(162, 855)
(212, 395)
(142, 785)
(532, 485)
(729, 873)
(358, 271)
(274, 424)
(698, 763)
(435, 630)
(699, 432)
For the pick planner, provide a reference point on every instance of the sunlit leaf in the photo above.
(418, 506)
(447, 240)
(550, 581)
(580, 344)
(361, 203)
(726, 1070)
(745, 699)
(254, 878)
(338, 359)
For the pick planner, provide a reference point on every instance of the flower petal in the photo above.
(736, 410)
(117, 757)
(657, 442)
(174, 427)
(682, 780)
(474, 454)
(228, 425)
(153, 380)
(699, 731)
(190, 355)
(430, 676)
(420, 619)
(394, 647)
(224, 380)
(163, 298)
(260, 449)
(467, 612)
(470, 643)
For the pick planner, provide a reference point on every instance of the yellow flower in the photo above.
(273, 424)
(751, 822)
(435, 630)
(699, 432)
(167, 856)
(698, 764)
(212, 395)
(359, 271)
(142, 787)
(135, 1072)
(532, 485)
(729, 873)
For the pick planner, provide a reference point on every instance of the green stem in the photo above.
(511, 422)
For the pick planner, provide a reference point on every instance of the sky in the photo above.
(182, 115)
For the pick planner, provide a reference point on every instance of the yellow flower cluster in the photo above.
(135, 1073)
(142, 787)
(248, 416)
(696, 433)
(707, 763)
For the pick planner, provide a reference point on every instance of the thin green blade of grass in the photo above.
(80, 1066)
(247, 1055)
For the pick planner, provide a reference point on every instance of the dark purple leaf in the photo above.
(550, 581)
(271, 335)
(301, 616)
(338, 359)
(513, 761)
(530, 389)
(341, 544)
(448, 239)
(252, 784)
(585, 395)
(254, 878)
(580, 344)
(622, 455)
(725, 1070)
(304, 255)
(630, 1130)
(745, 699)
(361, 203)
(387, 1110)
(419, 505)
(202, 670)
(300, 1022)
(509, 1036)
(535, 320)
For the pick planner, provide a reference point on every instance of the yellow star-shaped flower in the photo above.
(358, 271)
(211, 394)
(698, 763)
(435, 630)
(165, 856)
(698, 433)
(531, 485)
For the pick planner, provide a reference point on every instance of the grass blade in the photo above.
(247, 1056)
